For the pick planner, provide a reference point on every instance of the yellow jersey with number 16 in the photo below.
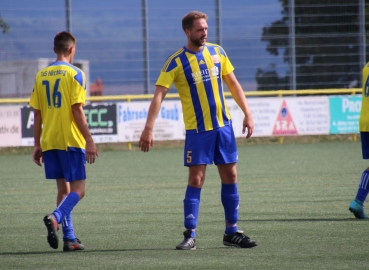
(364, 114)
(56, 89)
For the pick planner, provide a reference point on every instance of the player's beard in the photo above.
(199, 42)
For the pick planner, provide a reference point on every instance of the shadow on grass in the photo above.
(99, 251)
(305, 220)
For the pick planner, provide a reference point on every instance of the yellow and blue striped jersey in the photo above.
(198, 79)
(364, 114)
(56, 89)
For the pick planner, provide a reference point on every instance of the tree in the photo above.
(326, 45)
(3, 25)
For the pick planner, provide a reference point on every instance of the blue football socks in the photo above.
(230, 201)
(191, 205)
(66, 206)
(68, 230)
(363, 190)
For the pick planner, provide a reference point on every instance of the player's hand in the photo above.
(248, 124)
(37, 155)
(91, 152)
(146, 140)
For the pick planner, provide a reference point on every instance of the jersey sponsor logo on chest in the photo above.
(205, 75)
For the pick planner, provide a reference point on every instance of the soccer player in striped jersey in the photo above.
(198, 71)
(357, 205)
(62, 140)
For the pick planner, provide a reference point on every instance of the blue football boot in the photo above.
(357, 208)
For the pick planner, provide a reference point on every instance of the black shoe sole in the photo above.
(353, 211)
(357, 215)
(52, 233)
(228, 244)
(69, 249)
(179, 248)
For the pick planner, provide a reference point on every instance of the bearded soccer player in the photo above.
(62, 140)
(198, 71)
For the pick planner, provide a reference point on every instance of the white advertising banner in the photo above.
(310, 114)
(132, 118)
(285, 116)
(10, 126)
(272, 117)
(264, 112)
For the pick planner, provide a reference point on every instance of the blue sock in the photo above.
(230, 201)
(191, 205)
(66, 206)
(68, 230)
(363, 187)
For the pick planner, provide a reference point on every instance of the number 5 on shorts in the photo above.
(189, 157)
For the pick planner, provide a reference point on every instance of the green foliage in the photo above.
(326, 45)
(4, 25)
(268, 78)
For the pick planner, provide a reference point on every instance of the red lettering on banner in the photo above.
(284, 124)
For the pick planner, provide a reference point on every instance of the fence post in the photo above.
(129, 144)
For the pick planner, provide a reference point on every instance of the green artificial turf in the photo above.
(294, 202)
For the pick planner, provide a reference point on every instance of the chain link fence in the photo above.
(125, 43)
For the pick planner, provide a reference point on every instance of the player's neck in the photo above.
(193, 48)
(62, 58)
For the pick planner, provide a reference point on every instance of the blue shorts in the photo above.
(365, 144)
(70, 165)
(218, 146)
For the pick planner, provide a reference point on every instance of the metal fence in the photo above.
(127, 42)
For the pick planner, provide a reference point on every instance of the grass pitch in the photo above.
(294, 202)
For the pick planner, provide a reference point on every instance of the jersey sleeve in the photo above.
(33, 102)
(165, 79)
(78, 93)
(227, 66)
(168, 73)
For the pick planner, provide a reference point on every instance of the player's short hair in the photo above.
(63, 41)
(189, 18)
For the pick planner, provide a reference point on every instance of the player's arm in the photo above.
(37, 129)
(239, 96)
(80, 120)
(146, 139)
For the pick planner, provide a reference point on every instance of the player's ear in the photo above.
(71, 49)
(54, 49)
(187, 32)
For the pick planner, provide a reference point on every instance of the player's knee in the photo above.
(196, 181)
(195, 184)
(230, 178)
(228, 173)
(196, 178)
